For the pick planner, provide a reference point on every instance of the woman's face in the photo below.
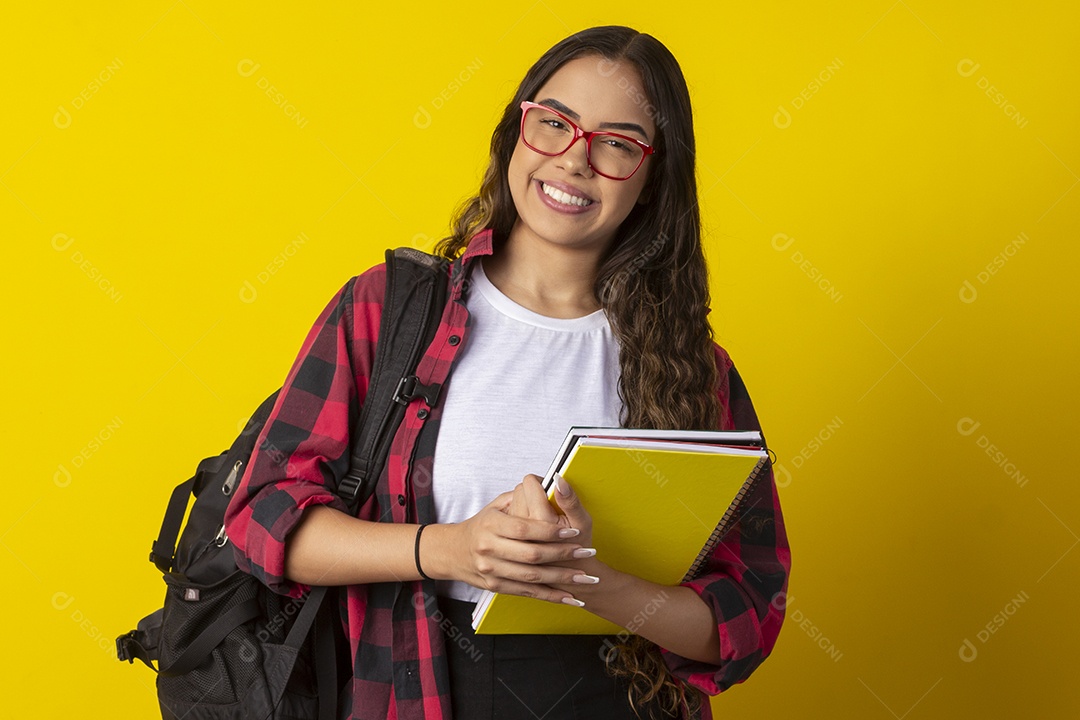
(590, 91)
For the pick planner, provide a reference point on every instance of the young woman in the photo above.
(578, 296)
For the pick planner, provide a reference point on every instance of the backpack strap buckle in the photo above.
(162, 557)
(350, 486)
(123, 651)
(142, 642)
(410, 387)
(129, 648)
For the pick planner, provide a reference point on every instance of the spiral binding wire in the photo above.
(722, 526)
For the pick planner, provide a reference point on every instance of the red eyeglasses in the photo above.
(549, 132)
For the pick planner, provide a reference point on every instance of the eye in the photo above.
(618, 144)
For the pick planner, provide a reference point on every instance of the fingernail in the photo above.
(569, 532)
(591, 579)
(584, 552)
(573, 601)
(560, 485)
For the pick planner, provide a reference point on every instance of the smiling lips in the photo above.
(561, 200)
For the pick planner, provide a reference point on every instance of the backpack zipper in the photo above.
(230, 481)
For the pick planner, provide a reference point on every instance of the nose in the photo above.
(576, 158)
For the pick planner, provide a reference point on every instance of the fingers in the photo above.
(540, 592)
(535, 553)
(519, 506)
(534, 581)
(537, 500)
(570, 504)
(502, 501)
(499, 570)
(530, 500)
(525, 528)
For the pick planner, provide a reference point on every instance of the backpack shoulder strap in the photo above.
(417, 285)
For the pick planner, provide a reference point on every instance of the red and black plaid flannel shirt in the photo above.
(399, 663)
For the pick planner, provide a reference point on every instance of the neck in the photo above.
(549, 279)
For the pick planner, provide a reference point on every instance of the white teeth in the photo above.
(562, 197)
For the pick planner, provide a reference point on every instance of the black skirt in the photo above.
(554, 677)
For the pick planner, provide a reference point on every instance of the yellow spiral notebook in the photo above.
(660, 501)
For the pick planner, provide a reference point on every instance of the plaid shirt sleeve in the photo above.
(303, 447)
(746, 571)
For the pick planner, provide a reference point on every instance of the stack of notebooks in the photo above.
(660, 501)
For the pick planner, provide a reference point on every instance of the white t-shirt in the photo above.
(520, 382)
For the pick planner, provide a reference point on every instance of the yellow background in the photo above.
(176, 230)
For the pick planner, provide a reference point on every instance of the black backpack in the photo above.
(226, 645)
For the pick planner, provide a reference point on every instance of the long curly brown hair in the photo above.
(652, 284)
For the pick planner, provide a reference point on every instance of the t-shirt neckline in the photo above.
(502, 303)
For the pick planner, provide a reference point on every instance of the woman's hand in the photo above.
(517, 553)
(530, 501)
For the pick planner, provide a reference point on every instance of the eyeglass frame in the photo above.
(578, 134)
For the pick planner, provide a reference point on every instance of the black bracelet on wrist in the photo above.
(417, 553)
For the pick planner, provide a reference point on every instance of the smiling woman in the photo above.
(578, 296)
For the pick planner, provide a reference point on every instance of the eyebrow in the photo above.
(556, 105)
